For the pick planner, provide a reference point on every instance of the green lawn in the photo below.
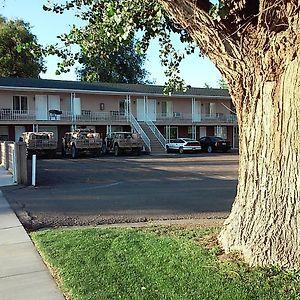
(155, 263)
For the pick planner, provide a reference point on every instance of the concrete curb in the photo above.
(204, 222)
(23, 274)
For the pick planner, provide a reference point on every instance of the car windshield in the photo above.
(192, 143)
(216, 138)
(127, 135)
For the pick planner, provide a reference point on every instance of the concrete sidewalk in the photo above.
(23, 274)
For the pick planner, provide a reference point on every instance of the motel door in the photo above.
(140, 109)
(41, 107)
(151, 109)
(197, 111)
(76, 106)
(146, 107)
(202, 131)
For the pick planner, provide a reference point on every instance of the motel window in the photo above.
(221, 131)
(210, 109)
(164, 108)
(20, 103)
(190, 132)
(171, 132)
(167, 108)
(122, 107)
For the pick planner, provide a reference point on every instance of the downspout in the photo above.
(193, 109)
(145, 107)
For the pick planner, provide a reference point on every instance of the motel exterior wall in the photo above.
(105, 110)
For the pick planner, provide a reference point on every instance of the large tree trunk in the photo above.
(265, 220)
(256, 48)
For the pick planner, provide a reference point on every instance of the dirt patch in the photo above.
(211, 243)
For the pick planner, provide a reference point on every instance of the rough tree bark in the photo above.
(258, 54)
(265, 221)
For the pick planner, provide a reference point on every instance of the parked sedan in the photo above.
(183, 145)
(214, 143)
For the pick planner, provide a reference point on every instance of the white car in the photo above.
(183, 145)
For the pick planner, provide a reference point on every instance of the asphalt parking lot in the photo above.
(92, 191)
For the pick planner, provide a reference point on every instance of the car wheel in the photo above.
(181, 150)
(74, 152)
(52, 154)
(98, 152)
(63, 152)
(168, 149)
(104, 149)
(209, 149)
(138, 152)
(116, 150)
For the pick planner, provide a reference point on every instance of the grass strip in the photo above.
(155, 263)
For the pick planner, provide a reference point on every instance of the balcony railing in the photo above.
(86, 116)
(113, 116)
(219, 118)
(7, 114)
(174, 117)
(99, 117)
(179, 117)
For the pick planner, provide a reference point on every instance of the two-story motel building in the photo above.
(59, 106)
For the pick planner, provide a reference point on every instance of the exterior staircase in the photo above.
(156, 147)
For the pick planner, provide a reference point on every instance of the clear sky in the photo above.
(47, 26)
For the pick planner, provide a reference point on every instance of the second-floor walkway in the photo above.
(65, 117)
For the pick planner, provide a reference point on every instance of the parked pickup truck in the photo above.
(123, 142)
(81, 141)
(40, 143)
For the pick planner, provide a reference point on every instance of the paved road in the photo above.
(90, 191)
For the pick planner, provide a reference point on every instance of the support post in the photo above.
(33, 177)
(15, 164)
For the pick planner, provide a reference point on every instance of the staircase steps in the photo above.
(156, 147)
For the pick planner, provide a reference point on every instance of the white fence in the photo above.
(14, 159)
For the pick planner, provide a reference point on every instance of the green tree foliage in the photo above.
(20, 54)
(122, 66)
(222, 84)
(113, 24)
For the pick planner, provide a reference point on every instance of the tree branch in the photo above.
(210, 35)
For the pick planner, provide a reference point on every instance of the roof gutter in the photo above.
(92, 92)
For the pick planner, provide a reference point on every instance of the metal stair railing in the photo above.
(156, 132)
(137, 127)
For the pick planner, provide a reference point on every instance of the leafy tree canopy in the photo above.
(113, 24)
(222, 84)
(123, 66)
(20, 54)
